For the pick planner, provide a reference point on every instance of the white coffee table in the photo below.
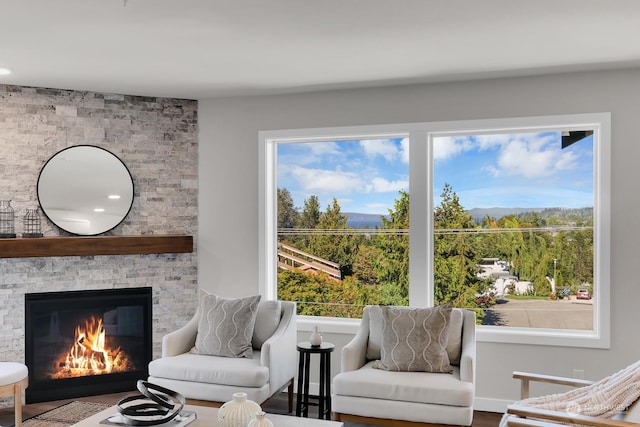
(208, 417)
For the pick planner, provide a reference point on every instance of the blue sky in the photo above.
(508, 170)
(515, 170)
(365, 176)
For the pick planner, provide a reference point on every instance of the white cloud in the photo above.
(323, 148)
(308, 153)
(341, 182)
(521, 158)
(528, 155)
(404, 150)
(381, 147)
(381, 185)
(533, 157)
(487, 142)
(567, 161)
(445, 147)
(327, 181)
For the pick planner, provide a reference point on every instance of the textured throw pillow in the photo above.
(226, 325)
(415, 339)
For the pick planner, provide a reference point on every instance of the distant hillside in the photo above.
(564, 214)
(362, 220)
(478, 213)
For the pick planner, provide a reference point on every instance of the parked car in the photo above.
(583, 294)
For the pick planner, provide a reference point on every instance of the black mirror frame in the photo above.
(124, 216)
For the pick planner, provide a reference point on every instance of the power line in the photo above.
(405, 231)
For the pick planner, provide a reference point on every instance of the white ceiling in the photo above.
(208, 48)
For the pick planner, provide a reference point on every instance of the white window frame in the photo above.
(421, 208)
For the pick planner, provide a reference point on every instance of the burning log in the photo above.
(99, 358)
(89, 354)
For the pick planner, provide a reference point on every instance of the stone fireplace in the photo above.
(157, 138)
(83, 343)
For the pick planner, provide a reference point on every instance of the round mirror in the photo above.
(85, 190)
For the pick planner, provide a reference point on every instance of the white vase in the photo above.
(238, 412)
(260, 421)
(316, 337)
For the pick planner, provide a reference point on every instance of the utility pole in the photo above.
(555, 262)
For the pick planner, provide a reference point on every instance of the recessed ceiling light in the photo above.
(98, 210)
(114, 196)
(4, 71)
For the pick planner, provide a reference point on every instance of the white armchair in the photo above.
(214, 378)
(364, 394)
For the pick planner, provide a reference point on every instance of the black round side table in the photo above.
(324, 396)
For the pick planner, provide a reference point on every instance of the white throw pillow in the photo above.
(375, 332)
(225, 327)
(454, 345)
(267, 321)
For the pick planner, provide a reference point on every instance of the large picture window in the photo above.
(343, 224)
(513, 227)
(506, 217)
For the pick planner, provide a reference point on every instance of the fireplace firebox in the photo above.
(82, 343)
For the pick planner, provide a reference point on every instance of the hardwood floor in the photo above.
(277, 405)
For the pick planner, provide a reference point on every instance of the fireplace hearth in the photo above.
(82, 343)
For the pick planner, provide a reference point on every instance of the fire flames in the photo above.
(89, 354)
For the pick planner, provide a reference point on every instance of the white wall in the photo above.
(228, 174)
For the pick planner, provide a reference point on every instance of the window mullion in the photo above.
(420, 231)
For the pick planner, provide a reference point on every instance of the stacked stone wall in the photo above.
(157, 140)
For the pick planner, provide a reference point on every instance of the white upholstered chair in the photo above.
(364, 394)
(214, 378)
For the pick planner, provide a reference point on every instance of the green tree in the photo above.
(364, 265)
(309, 220)
(310, 213)
(339, 247)
(454, 254)
(287, 213)
(392, 261)
(317, 294)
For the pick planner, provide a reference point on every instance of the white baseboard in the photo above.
(491, 405)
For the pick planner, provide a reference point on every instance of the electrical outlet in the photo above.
(578, 374)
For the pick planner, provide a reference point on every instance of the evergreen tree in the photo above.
(287, 213)
(392, 263)
(338, 247)
(310, 213)
(454, 258)
(364, 265)
(309, 220)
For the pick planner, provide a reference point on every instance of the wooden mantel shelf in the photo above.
(94, 245)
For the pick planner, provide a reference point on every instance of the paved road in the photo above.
(571, 314)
